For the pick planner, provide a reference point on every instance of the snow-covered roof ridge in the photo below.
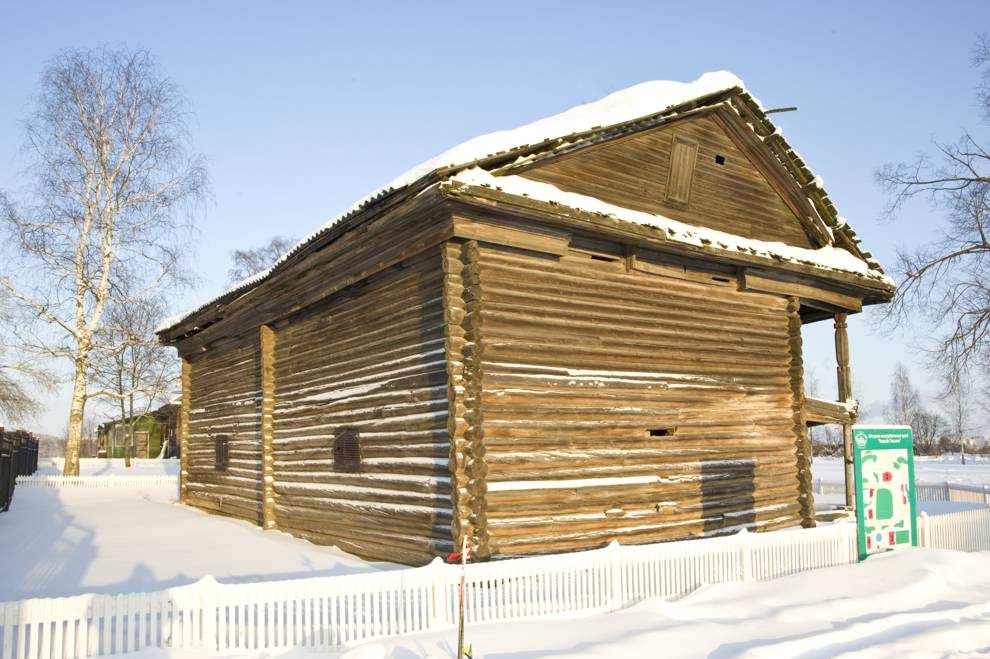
(826, 258)
(626, 107)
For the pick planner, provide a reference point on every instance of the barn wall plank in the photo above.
(225, 399)
(582, 358)
(370, 359)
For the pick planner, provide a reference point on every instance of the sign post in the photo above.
(885, 504)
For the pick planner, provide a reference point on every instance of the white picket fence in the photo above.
(155, 480)
(331, 611)
(946, 491)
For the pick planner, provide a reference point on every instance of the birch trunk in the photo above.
(104, 223)
(77, 409)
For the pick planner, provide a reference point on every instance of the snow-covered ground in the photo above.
(939, 469)
(56, 542)
(916, 603)
(911, 603)
(107, 466)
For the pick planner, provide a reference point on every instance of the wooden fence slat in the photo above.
(333, 611)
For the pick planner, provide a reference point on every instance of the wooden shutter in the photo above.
(347, 451)
(221, 447)
(683, 155)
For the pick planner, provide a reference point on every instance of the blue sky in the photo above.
(302, 107)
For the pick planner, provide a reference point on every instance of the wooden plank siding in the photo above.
(582, 358)
(370, 358)
(634, 172)
(225, 399)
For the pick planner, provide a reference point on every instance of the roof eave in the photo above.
(874, 289)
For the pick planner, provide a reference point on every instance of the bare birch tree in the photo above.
(906, 408)
(905, 401)
(946, 283)
(18, 380)
(21, 377)
(248, 262)
(927, 427)
(133, 369)
(112, 173)
(957, 403)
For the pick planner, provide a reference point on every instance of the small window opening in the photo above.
(221, 449)
(719, 159)
(724, 280)
(607, 259)
(347, 451)
(661, 432)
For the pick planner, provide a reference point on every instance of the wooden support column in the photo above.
(802, 441)
(475, 465)
(454, 340)
(267, 427)
(844, 376)
(183, 432)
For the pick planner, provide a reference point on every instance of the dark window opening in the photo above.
(347, 451)
(607, 259)
(719, 160)
(724, 280)
(221, 448)
(661, 432)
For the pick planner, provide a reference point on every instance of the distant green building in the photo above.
(150, 432)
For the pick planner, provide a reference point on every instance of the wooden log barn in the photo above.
(582, 330)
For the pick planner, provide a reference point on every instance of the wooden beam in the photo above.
(267, 427)
(454, 340)
(649, 237)
(183, 431)
(755, 282)
(819, 412)
(702, 275)
(475, 466)
(802, 441)
(777, 176)
(844, 377)
(513, 234)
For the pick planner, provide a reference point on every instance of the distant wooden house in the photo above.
(583, 330)
(151, 432)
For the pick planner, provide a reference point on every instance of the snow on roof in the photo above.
(828, 258)
(626, 105)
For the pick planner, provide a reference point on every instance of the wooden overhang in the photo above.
(821, 289)
(818, 412)
(734, 108)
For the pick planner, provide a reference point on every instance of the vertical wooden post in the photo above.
(183, 431)
(801, 439)
(267, 427)
(475, 465)
(844, 376)
(457, 414)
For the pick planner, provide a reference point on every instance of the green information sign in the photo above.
(885, 507)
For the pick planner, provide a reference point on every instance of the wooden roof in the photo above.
(738, 111)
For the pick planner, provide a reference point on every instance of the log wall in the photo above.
(635, 172)
(371, 358)
(674, 391)
(224, 398)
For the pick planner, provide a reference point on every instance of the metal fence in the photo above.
(327, 612)
(18, 457)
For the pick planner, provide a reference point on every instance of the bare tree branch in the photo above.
(249, 262)
(109, 217)
(946, 284)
